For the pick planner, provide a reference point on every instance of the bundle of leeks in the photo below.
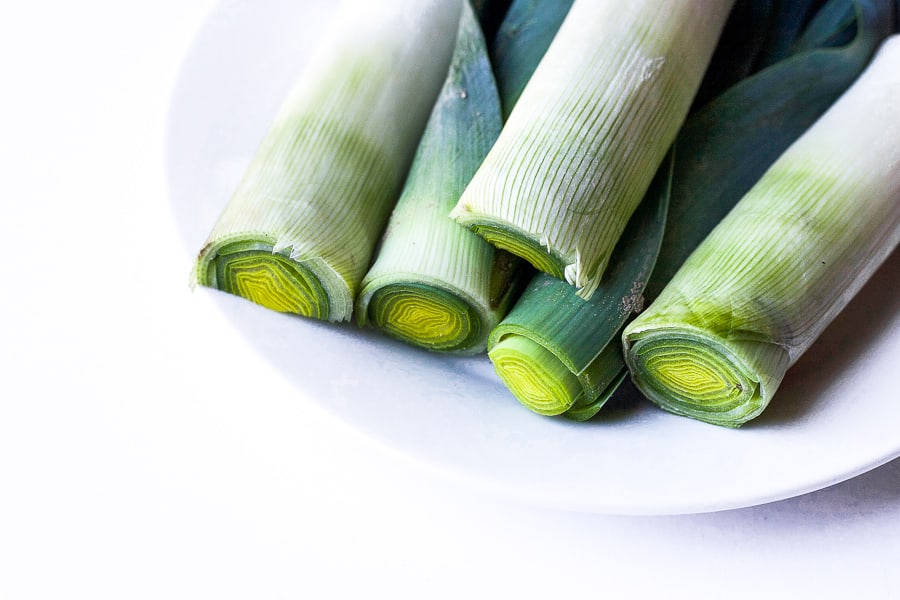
(300, 231)
(559, 354)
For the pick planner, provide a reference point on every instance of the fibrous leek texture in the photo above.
(716, 343)
(299, 232)
(548, 350)
(559, 354)
(589, 132)
(434, 283)
(727, 143)
(553, 350)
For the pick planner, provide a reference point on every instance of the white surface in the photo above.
(455, 414)
(146, 451)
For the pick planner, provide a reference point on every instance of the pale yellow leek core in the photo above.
(424, 315)
(537, 378)
(717, 342)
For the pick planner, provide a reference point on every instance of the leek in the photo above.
(589, 131)
(559, 354)
(435, 284)
(759, 290)
(298, 234)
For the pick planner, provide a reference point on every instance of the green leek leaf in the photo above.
(435, 284)
(521, 42)
(726, 145)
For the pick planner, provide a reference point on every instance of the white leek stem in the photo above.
(590, 130)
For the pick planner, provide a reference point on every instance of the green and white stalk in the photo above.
(434, 283)
(727, 144)
(299, 232)
(560, 354)
(717, 342)
(552, 350)
(589, 132)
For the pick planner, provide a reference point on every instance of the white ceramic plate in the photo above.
(836, 415)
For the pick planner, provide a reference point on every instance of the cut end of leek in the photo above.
(424, 316)
(695, 374)
(540, 381)
(252, 270)
(521, 245)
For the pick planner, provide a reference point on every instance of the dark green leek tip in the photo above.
(253, 271)
(425, 316)
(535, 376)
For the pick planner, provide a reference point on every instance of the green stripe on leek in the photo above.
(760, 289)
(298, 233)
(589, 131)
(435, 284)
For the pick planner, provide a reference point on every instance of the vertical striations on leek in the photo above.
(589, 132)
(565, 344)
(434, 283)
(559, 354)
(729, 142)
(298, 234)
(757, 292)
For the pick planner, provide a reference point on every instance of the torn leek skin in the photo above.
(589, 132)
(298, 234)
(435, 284)
(759, 290)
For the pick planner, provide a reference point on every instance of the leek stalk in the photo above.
(589, 132)
(435, 284)
(758, 291)
(298, 234)
(728, 143)
(559, 354)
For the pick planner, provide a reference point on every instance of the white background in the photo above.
(129, 469)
